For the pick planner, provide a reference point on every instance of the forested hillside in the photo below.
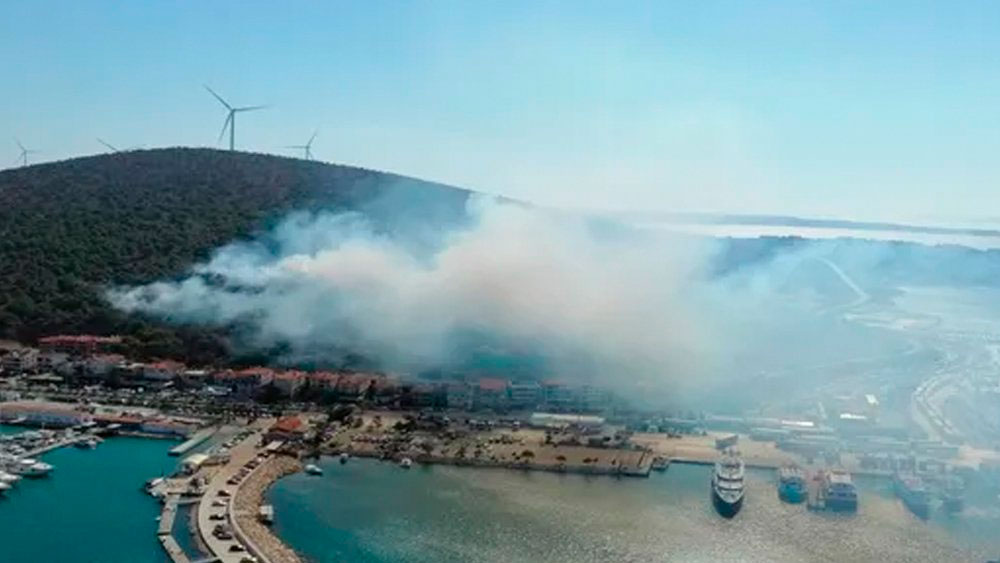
(69, 229)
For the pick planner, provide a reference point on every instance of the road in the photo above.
(239, 455)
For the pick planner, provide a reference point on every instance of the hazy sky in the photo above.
(870, 110)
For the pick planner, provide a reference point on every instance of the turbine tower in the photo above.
(107, 144)
(230, 121)
(23, 158)
(306, 148)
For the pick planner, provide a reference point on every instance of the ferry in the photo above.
(727, 485)
(912, 491)
(791, 483)
(953, 495)
(313, 469)
(840, 492)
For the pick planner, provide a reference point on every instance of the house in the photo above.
(288, 383)
(524, 395)
(83, 344)
(287, 428)
(491, 393)
(162, 371)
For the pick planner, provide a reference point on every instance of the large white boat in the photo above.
(727, 485)
(8, 478)
(4, 487)
(32, 468)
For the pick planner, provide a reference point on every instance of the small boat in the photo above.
(313, 469)
(32, 468)
(405, 463)
(4, 487)
(911, 490)
(8, 478)
(660, 463)
(344, 457)
(791, 483)
(953, 495)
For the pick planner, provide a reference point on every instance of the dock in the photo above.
(167, 516)
(198, 437)
(173, 549)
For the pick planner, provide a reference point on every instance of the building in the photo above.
(21, 360)
(40, 413)
(592, 398)
(83, 344)
(458, 395)
(555, 420)
(289, 383)
(558, 395)
(101, 365)
(524, 395)
(162, 371)
(353, 387)
(286, 429)
(323, 381)
(491, 393)
(246, 382)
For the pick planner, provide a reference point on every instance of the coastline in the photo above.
(249, 497)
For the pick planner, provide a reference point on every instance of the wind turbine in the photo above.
(24, 153)
(306, 148)
(107, 144)
(230, 121)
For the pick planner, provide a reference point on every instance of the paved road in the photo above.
(239, 455)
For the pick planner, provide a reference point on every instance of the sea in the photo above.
(90, 509)
(369, 511)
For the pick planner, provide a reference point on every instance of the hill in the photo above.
(69, 229)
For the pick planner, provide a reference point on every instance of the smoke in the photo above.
(565, 295)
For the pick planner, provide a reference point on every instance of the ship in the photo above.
(912, 491)
(791, 483)
(953, 495)
(840, 493)
(727, 485)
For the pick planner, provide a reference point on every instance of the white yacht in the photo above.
(727, 485)
(4, 487)
(32, 468)
(313, 469)
(8, 478)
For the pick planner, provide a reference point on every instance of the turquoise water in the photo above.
(90, 509)
(372, 512)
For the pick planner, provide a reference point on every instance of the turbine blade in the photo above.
(218, 97)
(225, 124)
(107, 144)
(311, 139)
(19, 145)
(251, 108)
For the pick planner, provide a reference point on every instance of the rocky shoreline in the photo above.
(248, 501)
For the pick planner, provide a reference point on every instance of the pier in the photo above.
(198, 437)
(815, 496)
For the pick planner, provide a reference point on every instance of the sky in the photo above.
(867, 110)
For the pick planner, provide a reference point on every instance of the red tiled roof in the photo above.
(492, 384)
(287, 424)
(290, 375)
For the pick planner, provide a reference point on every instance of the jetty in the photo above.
(815, 493)
(196, 439)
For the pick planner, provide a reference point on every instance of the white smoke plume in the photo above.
(593, 300)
